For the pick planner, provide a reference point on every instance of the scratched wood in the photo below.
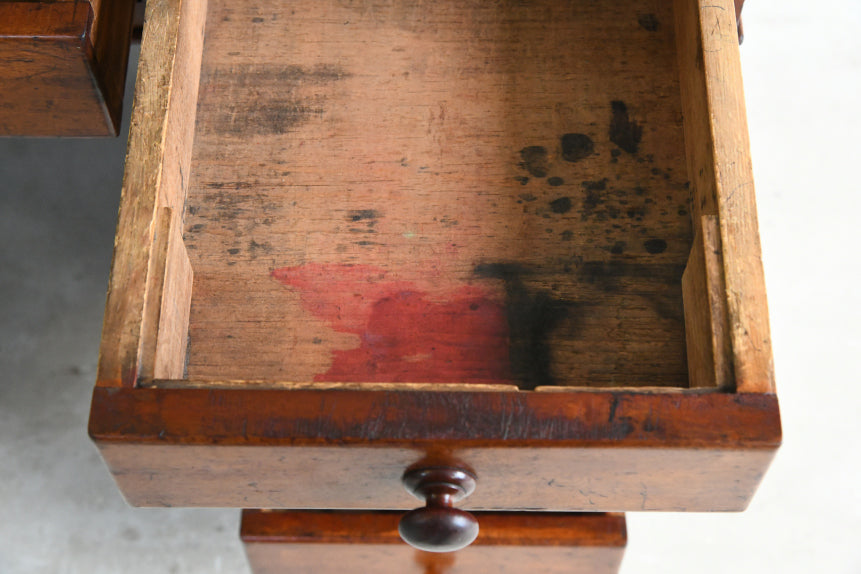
(278, 542)
(156, 177)
(458, 192)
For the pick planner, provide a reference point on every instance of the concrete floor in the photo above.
(61, 512)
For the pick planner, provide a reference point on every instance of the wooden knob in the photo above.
(439, 526)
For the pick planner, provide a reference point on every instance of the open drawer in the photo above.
(361, 237)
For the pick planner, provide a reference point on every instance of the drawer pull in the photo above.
(439, 526)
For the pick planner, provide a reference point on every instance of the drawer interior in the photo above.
(462, 192)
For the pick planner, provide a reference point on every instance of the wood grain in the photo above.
(522, 158)
(706, 330)
(320, 542)
(573, 451)
(168, 296)
(156, 174)
(718, 153)
(60, 76)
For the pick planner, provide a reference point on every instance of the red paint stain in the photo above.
(407, 334)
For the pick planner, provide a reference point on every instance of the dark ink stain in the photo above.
(555, 181)
(255, 248)
(637, 213)
(567, 235)
(594, 197)
(233, 251)
(615, 152)
(623, 132)
(527, 197)
(362, 214)
(648, 21)
(618, 248)
(257, 20)
(532, 315)
(576, 147)
(316, 340)
(599, 185)
(295, 97)
(366, 243)
(655, 246)
(561, 205)
(534, 160)
(523, 180)
(657, 284)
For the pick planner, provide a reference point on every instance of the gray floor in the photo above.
(62, 514)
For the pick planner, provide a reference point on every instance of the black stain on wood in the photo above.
(527, 197)
(655, 246)
(535, 160)
(594, 197)
(618, 248)
(567, 235)
(363, 214)
(294, 97)
(561, 205)
(648, 21)
(532, 314)
(555, 181)
(624, 132)
(257, 20)
(522, 180)
(576, 147)
(255, 249)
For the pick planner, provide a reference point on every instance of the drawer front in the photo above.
(578, 451)
(278, 542)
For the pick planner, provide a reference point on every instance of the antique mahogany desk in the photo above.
(503, 253)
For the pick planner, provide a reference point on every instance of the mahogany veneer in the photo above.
(279, 542)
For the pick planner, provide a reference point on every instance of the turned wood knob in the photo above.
(439, 526)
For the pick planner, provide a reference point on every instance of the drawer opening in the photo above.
(453, 193)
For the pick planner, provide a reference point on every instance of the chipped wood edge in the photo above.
(722, 177)
(157, 167)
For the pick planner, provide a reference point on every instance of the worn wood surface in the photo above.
(165, 314)
(718, 152)
(574, 451)
(447, 193)
(439, 192)
(706, 330)
(280, 542)
(156, 175)
(63, 67)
